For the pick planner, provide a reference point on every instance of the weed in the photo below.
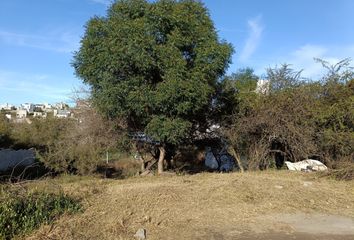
(24, 211)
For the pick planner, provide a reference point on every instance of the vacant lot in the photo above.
(258, 205)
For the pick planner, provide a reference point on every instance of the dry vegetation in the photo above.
(201, 206)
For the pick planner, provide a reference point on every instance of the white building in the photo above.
(6, 106)
(262, 86)
(29, 107)
(40, 107)
(61, 106)
(21, 113)
(48, 106)
(40, 114)
(61, 113)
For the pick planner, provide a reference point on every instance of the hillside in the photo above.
(255, 205)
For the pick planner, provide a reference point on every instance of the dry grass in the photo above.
(201, 206)
(345, 171)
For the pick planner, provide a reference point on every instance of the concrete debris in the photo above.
(140, 234)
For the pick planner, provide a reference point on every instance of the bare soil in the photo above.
(253, 205)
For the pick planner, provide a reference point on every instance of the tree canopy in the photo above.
(156, 65)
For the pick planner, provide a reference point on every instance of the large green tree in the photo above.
(155, 64)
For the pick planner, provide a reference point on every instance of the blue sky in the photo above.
(37, 38)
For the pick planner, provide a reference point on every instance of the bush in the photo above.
(69, 145)
(297, 119)
(23, 212)
(5, 127)
(83, 144)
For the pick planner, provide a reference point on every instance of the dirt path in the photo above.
(303, 226)
(269, 205)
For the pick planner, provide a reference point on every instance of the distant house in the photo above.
(40, 114)
(39, 107)
(48, 107)
(82, 104)
(61, 113)
(262, 86)
(21, 113)
(29, 107)
(7, 107)
(61, 106)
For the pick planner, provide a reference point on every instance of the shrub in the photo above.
(297, 119)
(69, 145)
(23, 212)
(5, 127)
(82, 145)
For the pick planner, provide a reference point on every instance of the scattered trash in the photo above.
(227, 163)
(221, 161)
(210, 160)
(278, 187)
(140, 234)
(308, 165)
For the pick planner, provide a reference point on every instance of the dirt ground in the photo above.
(254, 205)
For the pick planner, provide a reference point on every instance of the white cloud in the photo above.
(58, 41)
(253, 40)
(302, 58)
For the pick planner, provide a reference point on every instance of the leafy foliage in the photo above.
(156, 65)
(283, 77)
(237, 95)
(5, 127)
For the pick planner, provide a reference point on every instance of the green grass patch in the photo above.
(22, 211)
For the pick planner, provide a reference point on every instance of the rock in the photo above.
(306, 184)
(140, 234)
(278, 187)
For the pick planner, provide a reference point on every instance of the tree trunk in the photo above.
(142, 162)
(238, 160)
(161, 160)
